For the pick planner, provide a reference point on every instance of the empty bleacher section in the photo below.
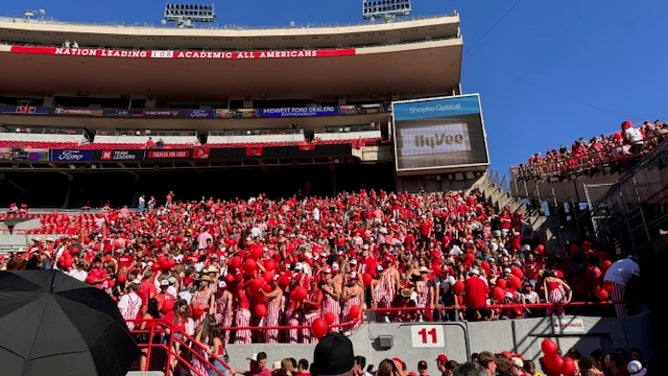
(44, 138)
(134, 139)
(264, 137)
(358, 135)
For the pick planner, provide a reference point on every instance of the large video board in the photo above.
(444, 133)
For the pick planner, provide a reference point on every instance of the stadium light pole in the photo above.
(185, 15)
(386, 10)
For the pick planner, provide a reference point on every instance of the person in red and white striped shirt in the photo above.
(130, 305)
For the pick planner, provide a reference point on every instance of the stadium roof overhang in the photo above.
(405, 71)
(402, 60)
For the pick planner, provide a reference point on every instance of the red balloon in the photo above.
(515, 282)
(235, 262)
(167, 306)
(586, 245)
(155, 267)
(605, 264)
(171, 263)
(111, 283)
(366, 279)
(196, 313)
(260, 310)
(485, 266)
(257, 283)
(300, 293)
(500, 282)
(249, 267)
(602, 294)
(498, 293)
(122, 278)
(270, 264)
(268, 276)
(575, 249)
(549, 347)
(470, 257)
(554, 362)
(283, 281)
(354, 311)
(256, 251)
(329, 317)
(458, 287)
(319, 327)
(517, 272)
(568, 366)
(540, 249)
(268, 287)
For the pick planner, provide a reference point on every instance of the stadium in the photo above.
(234, 114)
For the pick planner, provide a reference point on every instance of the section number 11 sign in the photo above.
(427, 336)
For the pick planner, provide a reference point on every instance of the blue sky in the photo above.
(548, 72)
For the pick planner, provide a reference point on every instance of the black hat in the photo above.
(333, 355)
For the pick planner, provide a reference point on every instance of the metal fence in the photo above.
(628, 216)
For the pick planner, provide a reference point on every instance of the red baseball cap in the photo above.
(442, 358)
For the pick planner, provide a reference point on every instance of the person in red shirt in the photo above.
(426, 230)
(302, 368)
(163, 296)
(475, 298)
(147, 288)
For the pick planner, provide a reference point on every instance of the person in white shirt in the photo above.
(633, 138)
(130, 304)
(78, 272)
(622, 274)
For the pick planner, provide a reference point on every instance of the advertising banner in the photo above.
(197, 114)
(168, 154)
(245, 113)
(158, 113)
(24, 155)
(121, 155)
(78, 111)
(438, 133)
(298, 111)
(116, 112)
(25, 110)
(189, 54)
(201, 153)
(70, 155)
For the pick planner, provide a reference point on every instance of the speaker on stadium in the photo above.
(384, 342)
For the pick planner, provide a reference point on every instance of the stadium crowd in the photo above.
(617, 151)
(289, 262)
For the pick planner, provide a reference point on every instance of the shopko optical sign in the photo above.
(197, 55)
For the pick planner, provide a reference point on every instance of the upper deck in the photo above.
(400, 60)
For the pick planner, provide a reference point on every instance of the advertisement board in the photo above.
(438, 133)
(121, 155)
(70, 155)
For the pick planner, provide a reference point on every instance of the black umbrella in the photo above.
(53, 324)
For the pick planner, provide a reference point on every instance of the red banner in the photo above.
(254, 151)
(306, 146)
(165, 54)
